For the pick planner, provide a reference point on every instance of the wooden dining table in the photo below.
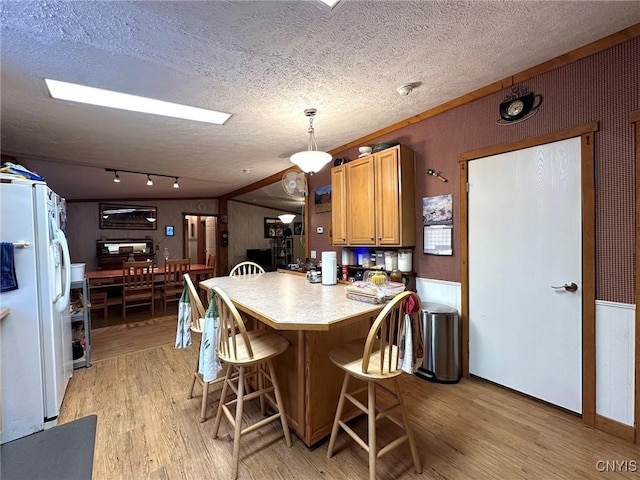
(314, 318)
(113, 277)
(110, 280)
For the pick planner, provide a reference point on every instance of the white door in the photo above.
(524, 239)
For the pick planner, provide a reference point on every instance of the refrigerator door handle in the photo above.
(62, 299)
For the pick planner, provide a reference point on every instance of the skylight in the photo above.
(330, 3)
(133, 103)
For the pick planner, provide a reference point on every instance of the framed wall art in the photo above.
(127, 217)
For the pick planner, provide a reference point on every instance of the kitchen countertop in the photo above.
(286, 301)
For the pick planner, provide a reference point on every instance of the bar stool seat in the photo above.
(375, 361)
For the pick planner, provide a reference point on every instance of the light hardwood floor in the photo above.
(148, 429)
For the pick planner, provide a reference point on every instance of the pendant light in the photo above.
(286, 218)
(311, 160)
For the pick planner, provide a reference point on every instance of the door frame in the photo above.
(199, 232)
(586, 132)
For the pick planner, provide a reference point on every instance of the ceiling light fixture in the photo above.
(311, 160)
(406, 89)
(116, 177)
(286, 218)
(132, 103)
(330, 3)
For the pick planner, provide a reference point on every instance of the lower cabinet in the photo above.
(80, 324)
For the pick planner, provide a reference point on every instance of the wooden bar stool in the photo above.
(246, 268)
(239, 352)
(197, 323)
(374, 361)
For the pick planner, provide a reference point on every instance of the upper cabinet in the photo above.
(374, 200)
(339, 205)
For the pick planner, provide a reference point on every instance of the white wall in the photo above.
(615, 351)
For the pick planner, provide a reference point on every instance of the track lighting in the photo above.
(116, 177)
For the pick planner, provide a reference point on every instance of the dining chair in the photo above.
(246, 268)
(375, 361)
(172, 285)
(100, 300)
(197, 323)
(211, 261)
(138, 286)
(246, 353)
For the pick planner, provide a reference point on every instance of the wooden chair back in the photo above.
(211, 260)
(197, 308)
(231, 325)
(383, 334)
(246, 268)
(174, 271)
(137, 278)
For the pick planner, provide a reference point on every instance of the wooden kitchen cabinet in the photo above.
(339, 215)
(379, 199)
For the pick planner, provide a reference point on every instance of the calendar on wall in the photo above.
(437, 219)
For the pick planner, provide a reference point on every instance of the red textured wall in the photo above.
(603, 87)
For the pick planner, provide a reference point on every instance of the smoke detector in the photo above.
(406, 89)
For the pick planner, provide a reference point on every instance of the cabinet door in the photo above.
(339, 205)
(387, 169)
(361, 226)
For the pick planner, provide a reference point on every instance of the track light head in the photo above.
(149, 181)
(116, 177)
(175, 184)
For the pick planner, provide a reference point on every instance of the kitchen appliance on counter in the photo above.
(35, 338)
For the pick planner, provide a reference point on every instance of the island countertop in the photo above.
(290, 302)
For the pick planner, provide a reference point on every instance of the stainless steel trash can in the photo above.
(441, 330)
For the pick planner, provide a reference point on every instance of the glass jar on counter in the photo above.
(390, 260)
(396, 276)
(405, 260)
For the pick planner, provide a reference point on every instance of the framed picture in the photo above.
(127, 217)
(273, 227)
(168, 231)
(297, 228)
(224, 219)
(322, 199)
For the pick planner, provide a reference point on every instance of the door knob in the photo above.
(569, 287)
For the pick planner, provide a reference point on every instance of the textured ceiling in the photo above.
(262, 61)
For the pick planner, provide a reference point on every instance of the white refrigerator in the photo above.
(35, 337)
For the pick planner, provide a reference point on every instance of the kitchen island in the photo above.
(314, 318)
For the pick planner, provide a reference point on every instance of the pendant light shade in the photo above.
(286, 218)
(311, 160)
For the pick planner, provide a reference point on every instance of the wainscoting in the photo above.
(615, 353)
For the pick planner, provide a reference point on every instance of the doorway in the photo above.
(200, 237)
(524, 238)
(585, 248)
